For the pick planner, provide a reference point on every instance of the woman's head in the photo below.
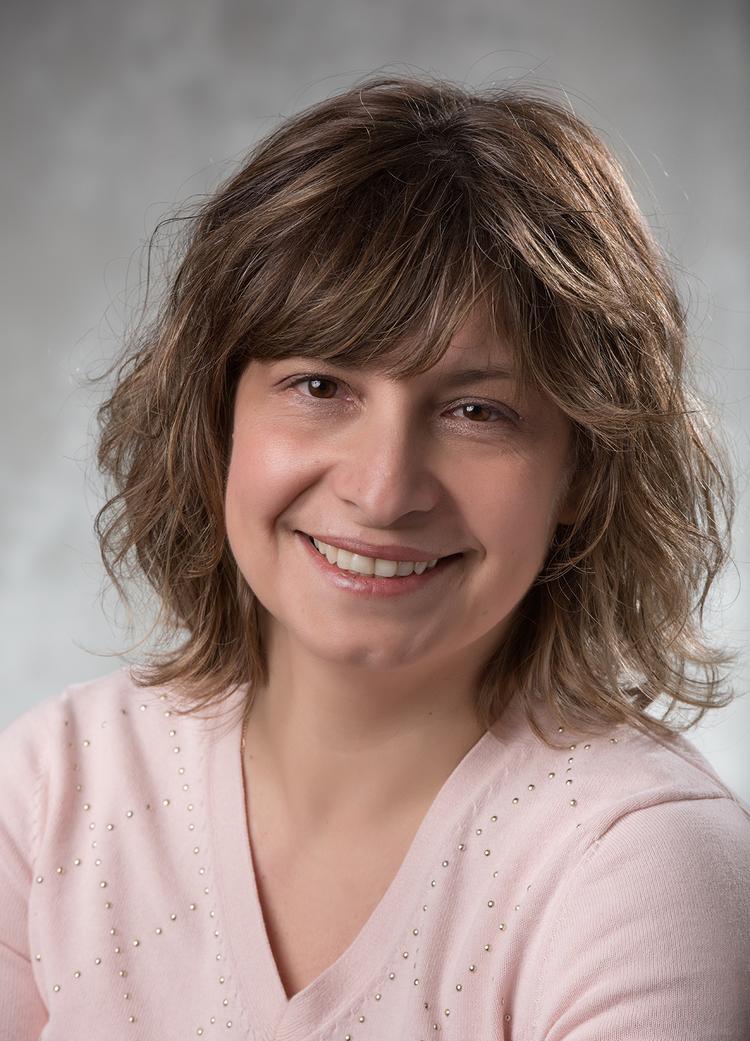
(452, 465)
(377, 234)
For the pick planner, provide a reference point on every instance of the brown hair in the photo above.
(369, 226)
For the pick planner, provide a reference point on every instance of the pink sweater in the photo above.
(596, 893)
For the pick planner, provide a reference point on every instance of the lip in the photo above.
(366, 549)
(374, 585)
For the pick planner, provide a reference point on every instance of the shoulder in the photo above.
(77, 702)
(624, 798)
(39, 773)
(591, 781)
(632, 774)
(67, 763)
(108, 703)
(649, 932)
(645, 929)
(86, 735)
(29, 743)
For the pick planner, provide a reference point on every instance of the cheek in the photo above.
(265, 474)
(514, 514)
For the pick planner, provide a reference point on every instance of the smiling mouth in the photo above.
(345, 556)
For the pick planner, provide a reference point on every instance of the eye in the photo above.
(478, 411)
(313, 379)
(478, 407)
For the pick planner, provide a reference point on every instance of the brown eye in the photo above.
(317, 385)
(477, 411)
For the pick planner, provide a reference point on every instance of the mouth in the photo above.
(440, 560)
(354, 582)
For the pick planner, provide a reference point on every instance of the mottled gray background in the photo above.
(114, 113)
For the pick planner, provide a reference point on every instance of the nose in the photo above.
(385, 466)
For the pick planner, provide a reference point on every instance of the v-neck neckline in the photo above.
(274, 1015)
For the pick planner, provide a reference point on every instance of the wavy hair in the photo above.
(368, 227)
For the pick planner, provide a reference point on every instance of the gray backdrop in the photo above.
(113, 113)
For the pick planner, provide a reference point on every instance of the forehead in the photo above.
(472, 349)
(481, 354)
(475, 350)
(476, 345)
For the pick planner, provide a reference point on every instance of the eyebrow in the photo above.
(451, 377)
(460, 377)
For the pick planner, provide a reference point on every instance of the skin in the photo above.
(359, 688)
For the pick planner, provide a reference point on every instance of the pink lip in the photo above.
(373, 585)
(389, 551)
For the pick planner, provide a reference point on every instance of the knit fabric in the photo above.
(599, 892)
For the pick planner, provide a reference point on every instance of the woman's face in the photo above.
(429, 464)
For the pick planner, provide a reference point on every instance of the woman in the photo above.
(409, 460)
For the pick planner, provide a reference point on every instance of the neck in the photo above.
(332, 743)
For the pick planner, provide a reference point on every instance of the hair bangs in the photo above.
(383, 278)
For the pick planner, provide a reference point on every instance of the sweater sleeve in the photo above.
(22, 791)
(651, 934)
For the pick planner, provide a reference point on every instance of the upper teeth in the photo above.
(372, 565)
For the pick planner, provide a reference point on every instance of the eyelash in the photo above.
(510, 417)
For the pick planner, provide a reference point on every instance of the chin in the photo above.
(369, 652)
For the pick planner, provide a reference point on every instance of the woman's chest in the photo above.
(315, 899)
